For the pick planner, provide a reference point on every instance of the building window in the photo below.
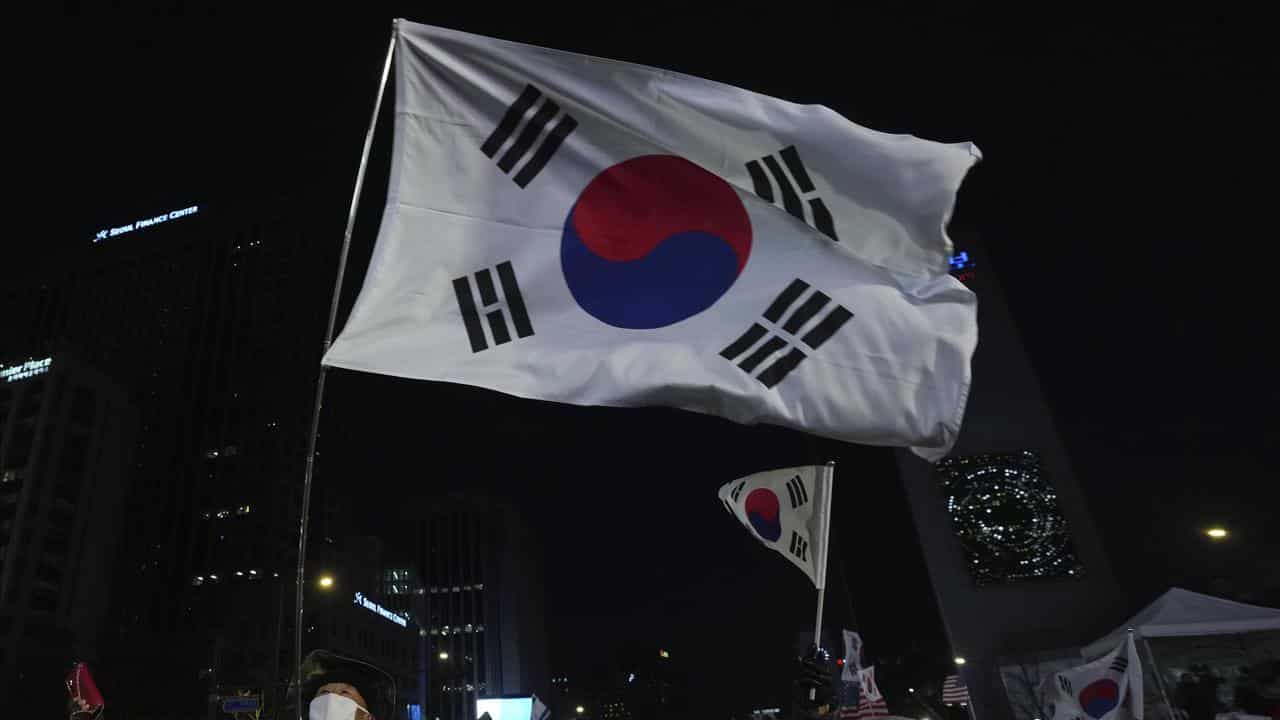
(1007, 518)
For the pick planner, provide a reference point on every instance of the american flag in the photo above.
(954, 691)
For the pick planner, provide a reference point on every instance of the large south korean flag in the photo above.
(587, 231)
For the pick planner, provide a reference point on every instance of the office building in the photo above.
(482, 607)
(348, 612)
(1011, 549)
(212, 323)
(66, 437)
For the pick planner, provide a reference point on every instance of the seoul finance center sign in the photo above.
(145, 223)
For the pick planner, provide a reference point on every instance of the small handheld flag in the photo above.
(870, 701)
(782, 510)
(852, 656)
(1109, 688)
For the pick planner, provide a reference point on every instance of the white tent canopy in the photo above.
(1181, 612)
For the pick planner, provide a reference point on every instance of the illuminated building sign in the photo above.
(377, 609)
(25, 370)
(145, 223)
(962, 267)
(961, 261)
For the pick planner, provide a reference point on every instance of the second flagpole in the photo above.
(300, 581)
(826, 475)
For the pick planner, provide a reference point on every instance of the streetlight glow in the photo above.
(960, 661)
(580, 709)
(326, 581)
(1217, 533)
(444, 655)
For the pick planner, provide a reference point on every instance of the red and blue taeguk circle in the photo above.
(763, 513)
(1100, 697)
(653, 240)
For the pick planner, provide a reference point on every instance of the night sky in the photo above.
(1125, 199)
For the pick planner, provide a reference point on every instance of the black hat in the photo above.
(322, 667)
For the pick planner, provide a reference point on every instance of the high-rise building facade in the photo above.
(66, 437)
(482, 608)
(1011, 548)
(353, 615)
(212, 323)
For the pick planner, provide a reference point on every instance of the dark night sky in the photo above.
(1124, 198)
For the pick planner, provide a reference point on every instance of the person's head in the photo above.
(336, 687)
(339, 701)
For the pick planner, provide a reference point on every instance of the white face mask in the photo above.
(334, 707)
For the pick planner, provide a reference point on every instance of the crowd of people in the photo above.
(335, 687)
(1203, 693)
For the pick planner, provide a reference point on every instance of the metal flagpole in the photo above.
(328, 340)
(825, 474)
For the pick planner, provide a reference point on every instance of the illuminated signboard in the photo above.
(145, 223)
(520, 708)
(962, 267)
(25, 370)
(377, 609)
(961, 261)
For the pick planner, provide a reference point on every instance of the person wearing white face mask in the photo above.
(336, 687)
(339, 701)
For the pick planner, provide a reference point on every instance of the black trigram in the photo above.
(495, 309)
(791, 201)
(750, 353)
(528, 135)
(1065, 684)
(1120, 664)
(734, 494)
(795, 489)
(799, 546)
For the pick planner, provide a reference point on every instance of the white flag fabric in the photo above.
(594, 232)
(867, 679)
(852, 656)
(786, 510)
(540, 710)
(1109, 688)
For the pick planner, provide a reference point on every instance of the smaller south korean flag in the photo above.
(787, 511)
(1109, 688)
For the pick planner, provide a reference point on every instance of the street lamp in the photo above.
(960, 661)
(444, 655)
(580, 709)
(1217, 533)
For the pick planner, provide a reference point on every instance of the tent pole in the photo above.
(1155, 670)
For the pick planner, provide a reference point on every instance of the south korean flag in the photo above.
(787, 510)
(587, 231)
